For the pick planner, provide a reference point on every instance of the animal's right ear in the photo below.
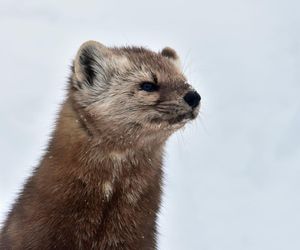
(90, 63)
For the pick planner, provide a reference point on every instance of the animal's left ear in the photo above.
(172, 56)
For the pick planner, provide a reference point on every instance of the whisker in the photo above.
(167, 112)
(168, 103)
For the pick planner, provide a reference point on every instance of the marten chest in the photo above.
(118, 212)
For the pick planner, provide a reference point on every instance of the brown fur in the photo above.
(170, 53)
(98, 185)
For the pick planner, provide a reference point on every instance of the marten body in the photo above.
(98, 185)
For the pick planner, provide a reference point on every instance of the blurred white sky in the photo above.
(232, 177)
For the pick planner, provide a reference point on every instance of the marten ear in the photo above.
(172, 56)
(91, 63)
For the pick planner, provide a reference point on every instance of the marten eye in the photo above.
(149, 86)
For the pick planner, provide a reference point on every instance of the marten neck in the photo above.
(77, 146)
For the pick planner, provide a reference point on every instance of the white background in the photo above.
(233, 176)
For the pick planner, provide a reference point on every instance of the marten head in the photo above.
(131, 91)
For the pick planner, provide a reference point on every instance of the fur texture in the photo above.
(98, 185)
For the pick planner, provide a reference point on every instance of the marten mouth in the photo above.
(181, 118)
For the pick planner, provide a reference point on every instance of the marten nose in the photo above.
(192, 98)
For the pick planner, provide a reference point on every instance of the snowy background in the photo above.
(233, 176)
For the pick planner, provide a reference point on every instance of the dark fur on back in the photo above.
(98, 185)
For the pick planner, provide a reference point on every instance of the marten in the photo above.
(98, 185)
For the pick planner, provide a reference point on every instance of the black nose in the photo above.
(192, 98)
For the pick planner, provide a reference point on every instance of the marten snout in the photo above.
(192, 98)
